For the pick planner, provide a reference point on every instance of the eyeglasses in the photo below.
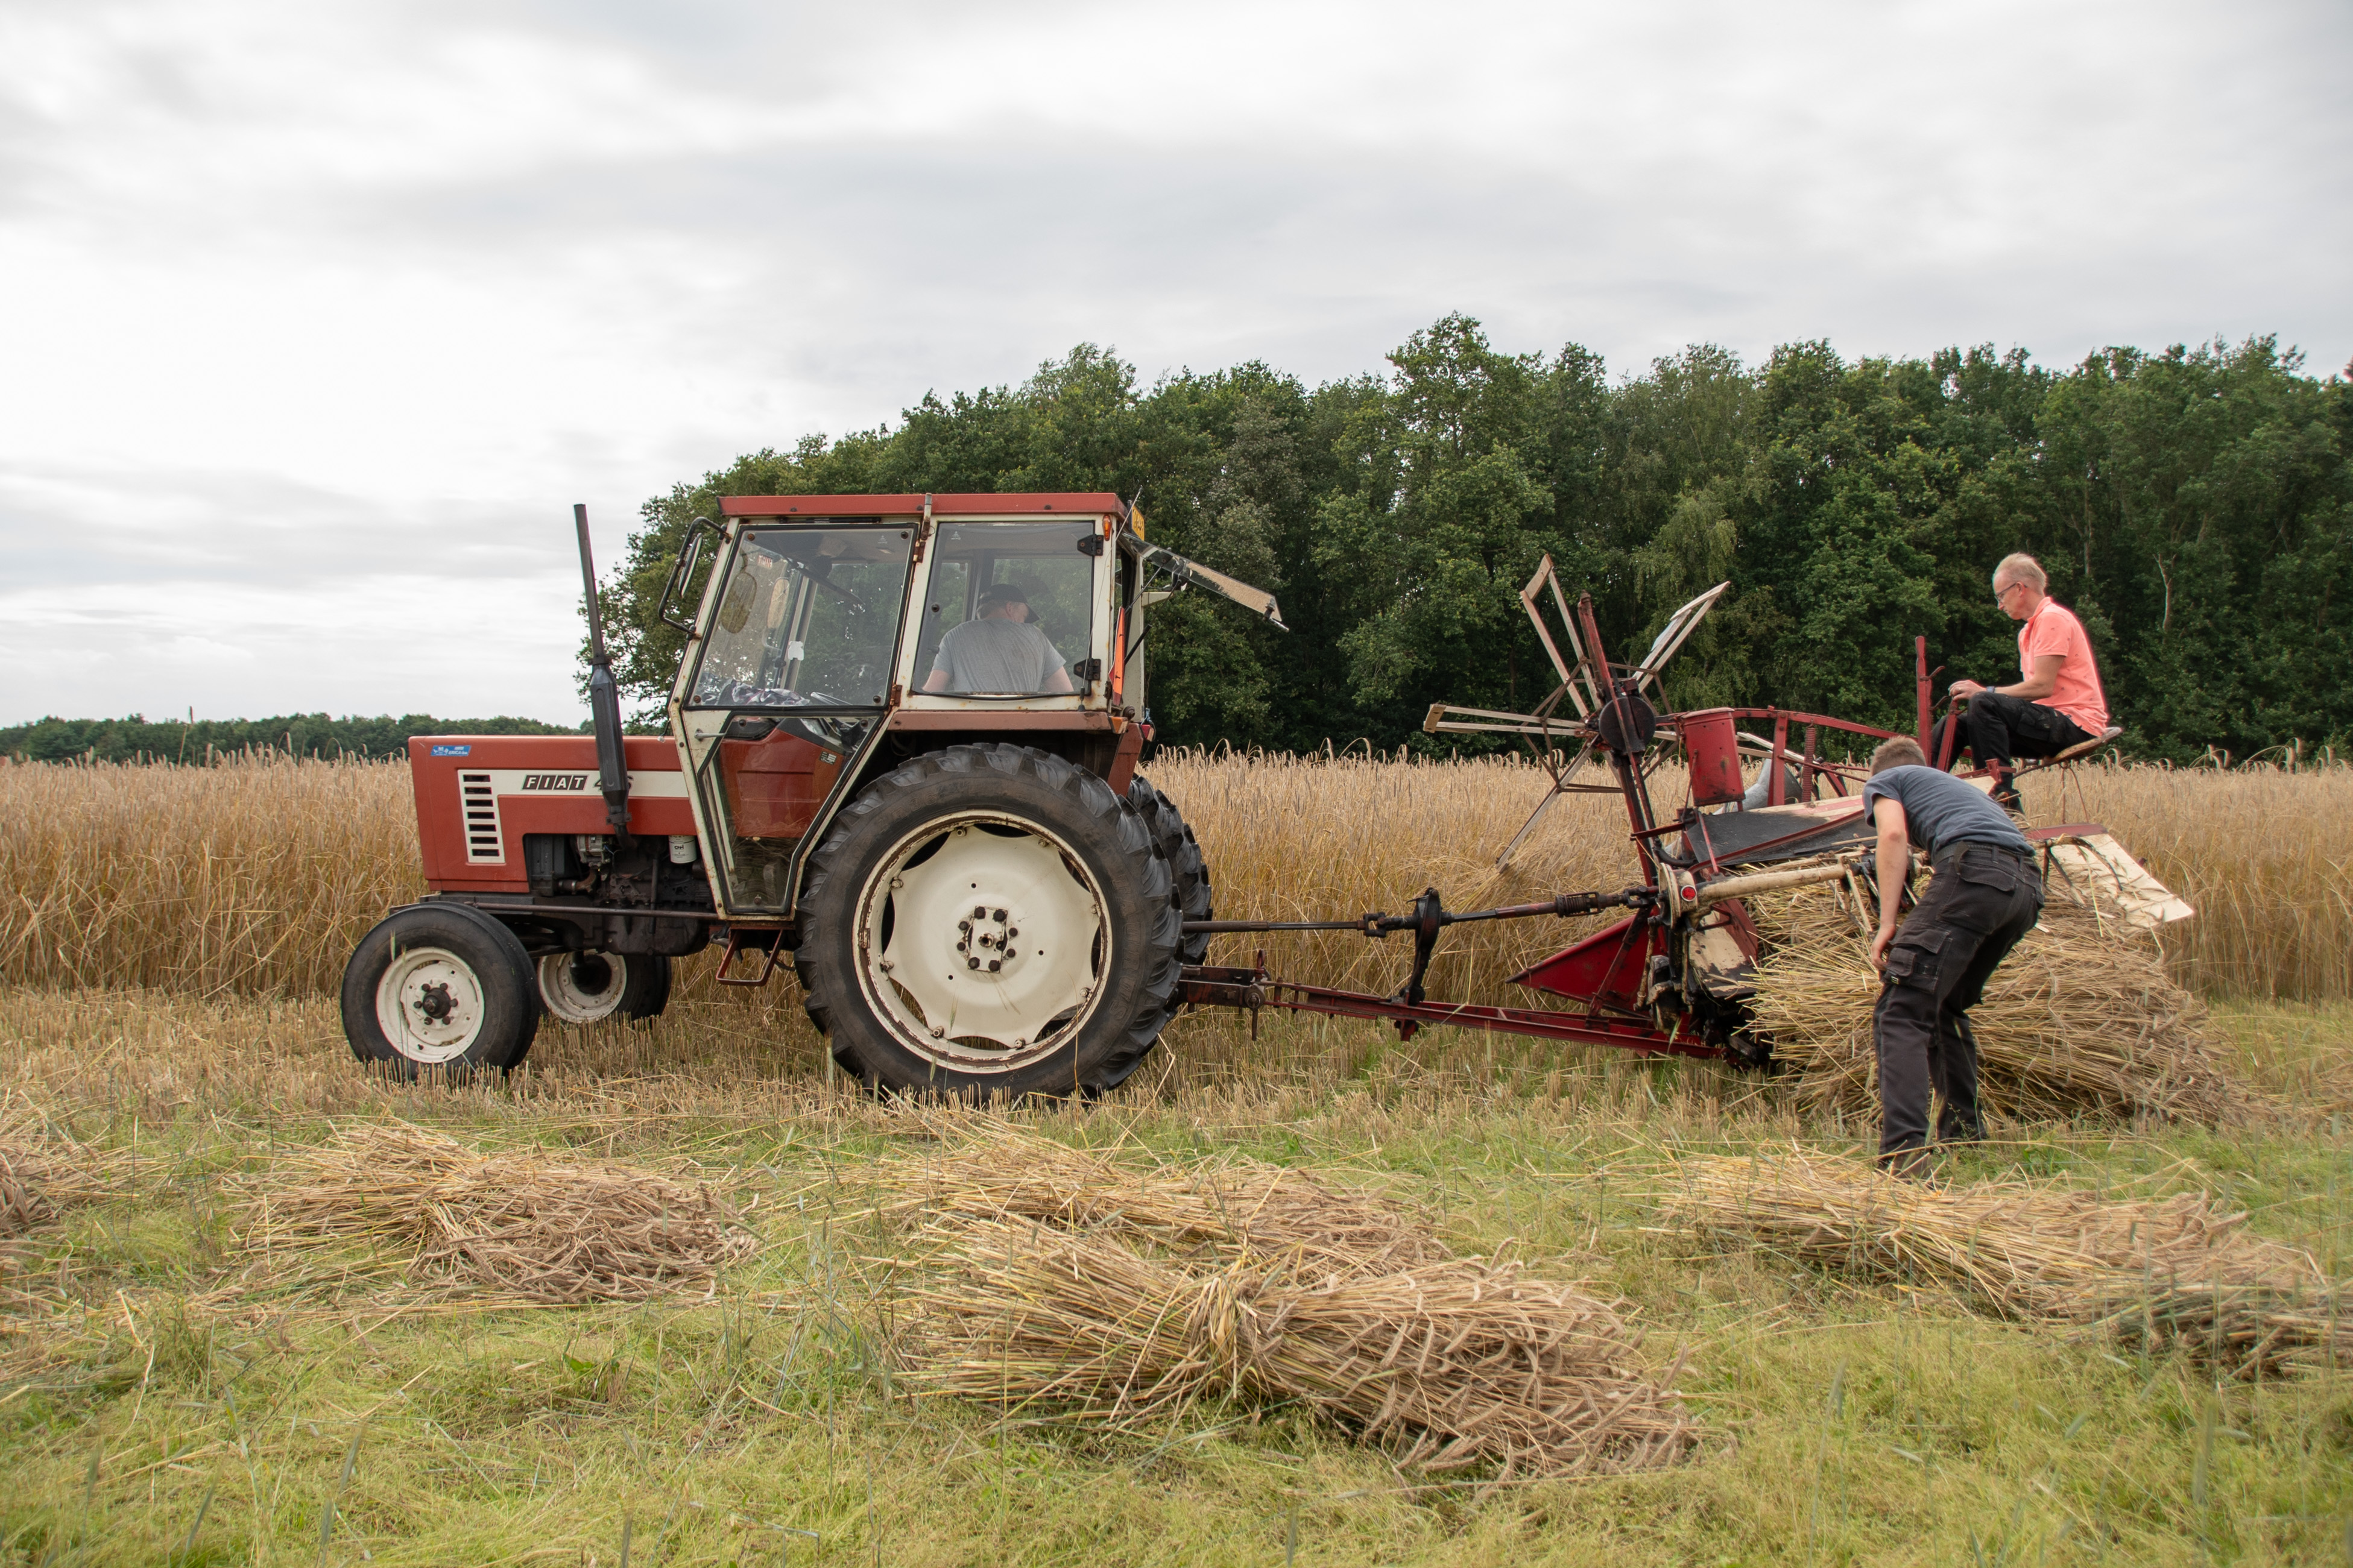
(2001, 594)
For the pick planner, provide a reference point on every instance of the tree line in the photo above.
(137, 739)
(2194, 506)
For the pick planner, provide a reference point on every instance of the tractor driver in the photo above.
(999, 651)
(1983, 897)
(2058, 705)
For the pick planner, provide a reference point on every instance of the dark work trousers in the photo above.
(1983, 898)
(1996, 729)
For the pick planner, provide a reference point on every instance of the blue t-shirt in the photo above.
(1940, 809)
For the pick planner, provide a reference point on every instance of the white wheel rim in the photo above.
(1040, 921)
(430, 1005)
(572, 1001)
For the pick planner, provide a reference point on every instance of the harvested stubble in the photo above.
(522, 1226)
(2079, 1019)
(1254, 1284)
(2176, 1272)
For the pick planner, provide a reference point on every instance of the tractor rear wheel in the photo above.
(988, 919)
(585, 987)
(1188, 881)
(442, 987)
(1188, 873)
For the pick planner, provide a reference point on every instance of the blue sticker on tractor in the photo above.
(452, 750)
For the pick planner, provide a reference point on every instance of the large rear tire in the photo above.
(1188, 879)
(442, 988)
(1188, 873)
(988, 919)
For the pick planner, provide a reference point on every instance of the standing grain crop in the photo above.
(260, 874)
(256, 875)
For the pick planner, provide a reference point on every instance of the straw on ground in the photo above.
(2174, 1272)
(423, 1207)
(1049, 1279)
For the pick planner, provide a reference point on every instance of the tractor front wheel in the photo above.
(985, 920)
(440, 986)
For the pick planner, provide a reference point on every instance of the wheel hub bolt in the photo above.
(972, 963)
(1001, 917)
(980, 914)
(994, 965)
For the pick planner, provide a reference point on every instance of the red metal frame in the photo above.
(1608, 970)
(1077, 503)
(1545, 1023)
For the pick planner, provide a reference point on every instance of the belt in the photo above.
(2024, 857)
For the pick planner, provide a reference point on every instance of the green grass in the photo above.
(1848, 1421)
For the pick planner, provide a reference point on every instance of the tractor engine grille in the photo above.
(484, 846)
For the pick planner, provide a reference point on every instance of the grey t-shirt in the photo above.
(996, 655)
(1940, 809)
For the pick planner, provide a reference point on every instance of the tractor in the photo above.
(903, 752)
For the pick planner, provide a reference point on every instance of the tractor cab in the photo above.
(838, 634)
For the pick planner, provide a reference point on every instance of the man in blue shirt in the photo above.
(1983, 897)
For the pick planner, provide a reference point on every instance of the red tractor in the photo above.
(902, 749)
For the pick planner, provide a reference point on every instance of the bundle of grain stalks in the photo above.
(1050, 1278)
(2079, 1020)
(2178, 1272)
(425, 1207)
(44, 1171)
(1224, 1211)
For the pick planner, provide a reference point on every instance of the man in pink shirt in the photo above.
(2058, 705)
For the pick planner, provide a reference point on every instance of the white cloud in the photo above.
(344, 305)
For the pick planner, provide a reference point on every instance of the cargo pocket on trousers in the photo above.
(1986, 890)
(1912, 959)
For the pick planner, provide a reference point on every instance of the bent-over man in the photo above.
(1985, 895)
(998, 652)
(2059, 703)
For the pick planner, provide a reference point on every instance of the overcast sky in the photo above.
(315, 318)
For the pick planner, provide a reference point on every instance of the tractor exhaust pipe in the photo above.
(603, 696)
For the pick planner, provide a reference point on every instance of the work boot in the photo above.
(2005, 796)
(1953, 1132)
(1911, 1165)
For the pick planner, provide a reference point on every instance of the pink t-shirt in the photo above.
(2053, 628)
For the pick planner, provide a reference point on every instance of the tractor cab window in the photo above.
(808, 618)
(1010, 609)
